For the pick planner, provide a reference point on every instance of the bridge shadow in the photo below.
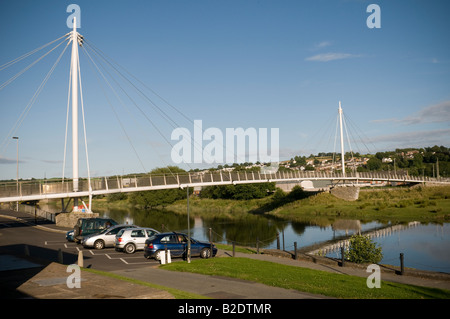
(279, 198)
(20, 263)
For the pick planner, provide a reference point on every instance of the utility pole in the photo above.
(188, 257)
(437, 168)
(17, 171)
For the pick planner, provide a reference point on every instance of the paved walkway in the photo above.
(28, 278)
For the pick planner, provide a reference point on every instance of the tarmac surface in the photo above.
(24, 277)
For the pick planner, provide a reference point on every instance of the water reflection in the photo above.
(425, 246)
(160, 220)
(244, 231)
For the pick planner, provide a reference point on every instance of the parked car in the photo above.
(177, 244)
(131, 239)
(88, 226)
(69, 235)
(105, 238)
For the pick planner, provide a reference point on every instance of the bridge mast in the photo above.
(342, 140)
(74, 71)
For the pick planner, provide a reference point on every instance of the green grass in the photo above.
(305, 280)
(401, 204)
(237, 249)
(425, 204)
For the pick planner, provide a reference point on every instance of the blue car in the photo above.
(69, 235)
(177, 244)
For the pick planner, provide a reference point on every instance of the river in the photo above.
(425, 246)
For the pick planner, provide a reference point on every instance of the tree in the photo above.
(151, 199)
(238, 192)
(169, 170)
(374, 164)
(363, 250)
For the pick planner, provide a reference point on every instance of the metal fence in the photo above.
(39, 189)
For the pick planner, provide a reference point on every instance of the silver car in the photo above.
(105, 238)
(130, 240)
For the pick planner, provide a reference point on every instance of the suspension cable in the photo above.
(134, 102)
(32, 100)
(10, 80)
(12, 62)
(85, 135)
(114, 111)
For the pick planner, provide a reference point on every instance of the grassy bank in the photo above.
(305, 280)
(424, 204)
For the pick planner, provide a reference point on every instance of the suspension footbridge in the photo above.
(53, 189)
(76, 187)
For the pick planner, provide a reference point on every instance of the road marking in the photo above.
(109, 257)
(97, 252)
(49, 243)
(138, 263)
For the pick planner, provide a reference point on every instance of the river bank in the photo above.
(394, 205)
(423, 204)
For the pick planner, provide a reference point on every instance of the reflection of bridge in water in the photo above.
(336, 245)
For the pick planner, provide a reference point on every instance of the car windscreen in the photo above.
(120, 232)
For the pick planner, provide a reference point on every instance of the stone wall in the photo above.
(70, 219)
(350, 193)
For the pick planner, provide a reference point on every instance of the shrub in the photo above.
(117, 196)
(363, 250)
(279, 195)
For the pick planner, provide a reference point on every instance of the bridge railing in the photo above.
(54, 186)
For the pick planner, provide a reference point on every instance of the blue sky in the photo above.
(250, 64)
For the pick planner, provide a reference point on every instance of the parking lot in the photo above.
(44, 242)
(106, 255)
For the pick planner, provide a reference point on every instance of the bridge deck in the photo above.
(51, 189)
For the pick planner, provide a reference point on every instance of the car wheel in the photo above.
(205, 253)
(99, 244)
(130, 248)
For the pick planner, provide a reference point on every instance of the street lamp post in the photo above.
(17, 171)
(189, 230)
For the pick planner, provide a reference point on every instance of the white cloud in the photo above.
(326, 57)
(415, 138)
(4, 160)
(437, 113)
(431, 114)
(322, 45)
